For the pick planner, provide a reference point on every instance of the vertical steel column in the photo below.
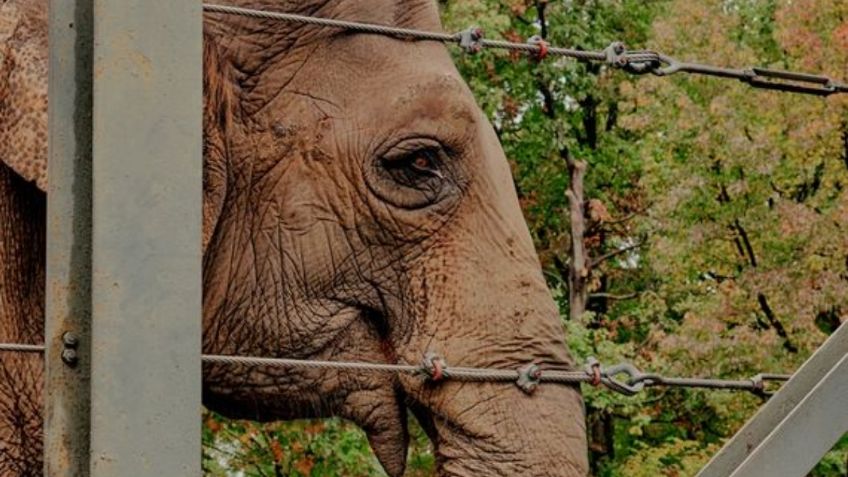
(124, 242)
(68, 296)
(146, 238)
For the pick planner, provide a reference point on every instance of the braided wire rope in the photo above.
(21, 348)
(616, 55)
(527, 377)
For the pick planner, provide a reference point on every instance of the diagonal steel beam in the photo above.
(798, 425)
(800, 441)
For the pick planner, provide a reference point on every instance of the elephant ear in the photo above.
(23, 89)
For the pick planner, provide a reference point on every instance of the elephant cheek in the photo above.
(381, 414)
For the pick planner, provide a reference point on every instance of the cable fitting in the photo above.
(758, 385)
(593, 369)
(615, 54)
(529, 377)
(70, 342)
(433, 367)
(633, 62)
(542, 47)
(471, 40)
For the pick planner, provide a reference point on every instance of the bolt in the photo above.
(70, 340)
(69, 357)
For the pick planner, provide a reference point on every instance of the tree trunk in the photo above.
(578, 289)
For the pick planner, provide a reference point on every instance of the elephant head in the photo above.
(358, 207)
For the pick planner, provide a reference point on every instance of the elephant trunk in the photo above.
(477, 298)
(504, 318)
(497, 430)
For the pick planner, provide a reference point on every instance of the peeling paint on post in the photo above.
(124, 221)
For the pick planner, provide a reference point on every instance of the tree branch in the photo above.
(775, 323)
(612, 116)
(845, 144)
(612, 296)
(548, 100)
(541, 6)
(579, 269)
(590, 121)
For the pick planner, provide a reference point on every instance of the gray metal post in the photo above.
(144, 236)
(68, 297)
(811, 398)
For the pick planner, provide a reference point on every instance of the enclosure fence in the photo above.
(528, 377)
(615, 55)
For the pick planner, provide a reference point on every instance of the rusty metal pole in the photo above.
(124, 228)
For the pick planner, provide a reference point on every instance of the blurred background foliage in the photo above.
(715, 219)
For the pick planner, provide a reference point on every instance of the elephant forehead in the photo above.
(341, 92)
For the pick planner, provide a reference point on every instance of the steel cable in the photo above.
(329, 22)
(615, 55)
(21, 348)
(527, 377)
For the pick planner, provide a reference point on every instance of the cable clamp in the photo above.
(615, 54)
(471, 40)
(542, 52)
(433, 367)
(529, 377)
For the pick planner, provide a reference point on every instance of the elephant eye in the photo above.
(418, 169)
(413, 173)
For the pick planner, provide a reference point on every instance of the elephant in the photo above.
(357, 206)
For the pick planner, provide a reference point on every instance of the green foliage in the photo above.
(299, 449)
(733, 201)
(306, 448)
